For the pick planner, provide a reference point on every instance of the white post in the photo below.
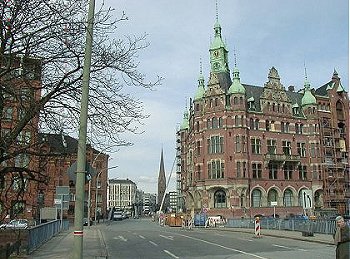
(89, 197)
(61, 214)
(96, 192)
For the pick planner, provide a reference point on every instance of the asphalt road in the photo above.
(142, 238)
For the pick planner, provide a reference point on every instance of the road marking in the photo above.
(121, 238)
(224, 247)
(244, 239)
(153, 243)
(168, 237)
(286, 247)
(142, 237)
(281, 246)
(172, 255)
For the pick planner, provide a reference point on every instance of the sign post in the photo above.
(274, 204)
(307, 200)
(62, 194)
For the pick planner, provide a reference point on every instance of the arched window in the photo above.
(257, 124)
(256, 198)
(340, 111)
(240, 100)
(235, 100)
(220, 199)
(300, 198)
(288, 198)
(272, 196)
(208, 124)
(220, 122)
(251, 122)
(197, 126)
(236, 121)
(215, 124)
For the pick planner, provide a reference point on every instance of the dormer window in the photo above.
(295, 110)
(251, 105)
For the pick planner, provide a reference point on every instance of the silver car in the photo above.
(16, 224)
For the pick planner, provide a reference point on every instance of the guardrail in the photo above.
(40, 234)
(302, 225)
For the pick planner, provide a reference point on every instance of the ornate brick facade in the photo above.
(244, 148)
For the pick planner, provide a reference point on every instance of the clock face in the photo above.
(216, 65)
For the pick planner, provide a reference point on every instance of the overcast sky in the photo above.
(284, 34)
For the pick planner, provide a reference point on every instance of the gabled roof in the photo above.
(59, 143)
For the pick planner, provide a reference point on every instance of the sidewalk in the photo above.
(61, 245)
(319, 238)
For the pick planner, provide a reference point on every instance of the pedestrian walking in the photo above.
(342, 239)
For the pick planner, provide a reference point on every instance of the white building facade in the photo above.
(121, 194)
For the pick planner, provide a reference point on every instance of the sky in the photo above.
(290, 35)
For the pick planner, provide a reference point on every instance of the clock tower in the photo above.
(218, 51)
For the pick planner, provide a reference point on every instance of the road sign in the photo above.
(57, 201)
(62, 190)
(307, 200)
(273, 203)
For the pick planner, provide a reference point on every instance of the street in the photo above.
(142, 238)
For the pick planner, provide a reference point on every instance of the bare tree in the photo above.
(41, 57)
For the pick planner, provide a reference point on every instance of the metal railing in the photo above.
(40, 234)
(315, 226)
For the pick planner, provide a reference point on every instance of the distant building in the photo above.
(121, 194)
(173, 201)
(148, 203)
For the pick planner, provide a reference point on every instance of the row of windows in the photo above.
(254, 124)
(216, 170)
(21, 160)
(24, 137)
(220, 199)
(215, 145)
(17, 183)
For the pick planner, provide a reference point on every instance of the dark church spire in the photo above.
(161, 181)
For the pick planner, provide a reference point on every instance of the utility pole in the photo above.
(81, 159)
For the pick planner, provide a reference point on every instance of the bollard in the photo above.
(257, 227)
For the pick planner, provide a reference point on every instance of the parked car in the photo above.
(118, 215)
(16, 224)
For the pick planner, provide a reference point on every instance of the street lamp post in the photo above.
(96, 188)
(81, 157)
(96, 192)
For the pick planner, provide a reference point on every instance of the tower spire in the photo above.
(161, 180)
(217, 11)
(235, 56)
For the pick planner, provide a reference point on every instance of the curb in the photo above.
(275, 235)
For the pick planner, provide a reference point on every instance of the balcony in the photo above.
(282, 157)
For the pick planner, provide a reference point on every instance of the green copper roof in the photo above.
(236, 86)
(201, 89)
(340, 88)
(308, 97)
(185, 123)
(217, 42)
